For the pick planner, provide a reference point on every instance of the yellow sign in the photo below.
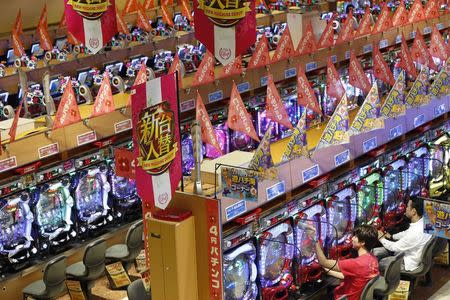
(118, 274)
(224, 13)
(90, 6)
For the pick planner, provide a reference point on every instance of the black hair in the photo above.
(367, 234)
(417, 204)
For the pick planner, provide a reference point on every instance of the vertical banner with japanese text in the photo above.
(214, 249)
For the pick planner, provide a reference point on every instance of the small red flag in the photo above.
(141, 76)
(121, 25)
(42, 31)
(335, 88)
(356, 74)
(123, 159)
(207, 129)
(149, 4)
(233, 68)
(18, 23)
(400, 15)
(384, 21)
(72, 39)
(347, 31)
(142, 22)
(275, 109)
(438, 48)
(176, 66)
(67, 112)
(17, 44)
(238, 117)
(260, 56)
(327, 38)
(406, 61)
(131, 6)
(380, 68)
(305, 94)
(104, 102)
(365, 26)
(205, 72)
(186, 10)
(416, 12)
(420, 53)
(13, 129)
(285, 47)
(167, 16)
(308, 43)
(431, 9)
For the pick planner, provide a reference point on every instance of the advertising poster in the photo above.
(240, 184)
(436, 218)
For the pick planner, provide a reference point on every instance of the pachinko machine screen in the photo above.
(341, 215)
(16, 222)
(91, 197)
(123, 191)
(53, 211)
(370, 197)
(438, 165)
(395, 186)
(223, 137)
(310, 226)
(418, 170)
(276, 251)
(239, 269)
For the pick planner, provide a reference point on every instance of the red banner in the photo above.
(380, 68)
(347, 31)
(121, 25)
(406, 61)
(327, 38)
(305, 94)
(356, 74)
(149, 4)
(308, 43)
(68, 112)
(104, 102)
(142, 21)
(365, 26)
(420, 53)
(384, 21)
(186, 10)
(141, 76)
(233, 68)
(400, 15)
(157, 150)
(131, 6)
(431, 9)
(123, 161)
(18, 23)
(416, 12)
(260, 56)
(438, 48)
(17, 44)
(238, 117)
(214, 249)
(285, 47)
(167, 16)
(275, 109)
(42, 31)
(335, 88)
(13, 129)
(93, 29)
(220, 26)
(207, 129)
(177, 66)
(205, 72)
(71, 39)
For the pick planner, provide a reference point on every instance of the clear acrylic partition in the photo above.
(370, 197)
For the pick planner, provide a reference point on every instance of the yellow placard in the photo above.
(118, 274)
(75, 291)
(92, 6)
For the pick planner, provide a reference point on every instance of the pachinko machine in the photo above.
(370, 192)
(17, 245)
(239, 266)
(342, 208)
(52, 206)
(418, 171)
(439, 148)
(309, 227)
(275, 248)
(125, 201)
(394, 191)
(90, 190)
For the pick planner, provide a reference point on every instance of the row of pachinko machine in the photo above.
(273, 256)
(43, 213)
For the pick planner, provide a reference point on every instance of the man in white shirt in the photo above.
(411, 241)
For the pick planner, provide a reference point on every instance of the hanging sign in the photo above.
(93, 23)
(220, 26)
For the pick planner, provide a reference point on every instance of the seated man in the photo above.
(355, 272)
(411, 241)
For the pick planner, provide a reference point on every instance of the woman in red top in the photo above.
(355, 272)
